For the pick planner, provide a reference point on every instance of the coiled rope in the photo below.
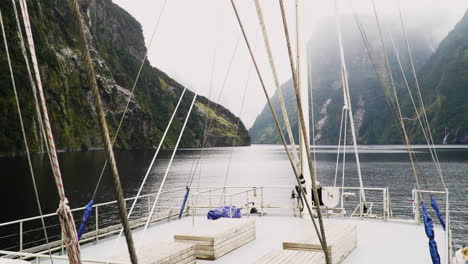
(66, 218)
(104, 130)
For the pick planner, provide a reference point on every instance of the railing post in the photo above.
(416, 206)
(261, 200)
(447, 226)
(210, 199)
(148, 203)
(360, 205)
(384, 205)
(96, 211)
(21, 235)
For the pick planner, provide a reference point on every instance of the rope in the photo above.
(130, 97)
(154, 156)
(421, 100)
(148, 220)
(104, 130)
(400, 116)
(304, 134)
(278, 126)
(276, 81)
(25, 141)
(31, 80)
(66, 218)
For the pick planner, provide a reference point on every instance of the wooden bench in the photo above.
(341, 241)
(162, 253)
(215, 238)
(280, 256)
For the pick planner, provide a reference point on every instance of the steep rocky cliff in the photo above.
(117, 47)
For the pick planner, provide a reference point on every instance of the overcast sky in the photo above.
(195, 35)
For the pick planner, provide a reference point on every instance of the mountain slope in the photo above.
(373, 115)
(444, 83)
(117, 47)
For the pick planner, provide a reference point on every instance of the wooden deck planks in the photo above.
(216, 238)
(162, 253)
(341, 240)
(280, 256)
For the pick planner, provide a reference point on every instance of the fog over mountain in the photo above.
(373, 115)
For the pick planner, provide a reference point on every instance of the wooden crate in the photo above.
(280, 256)
(162, 253)
(215, 238)
(341, 241)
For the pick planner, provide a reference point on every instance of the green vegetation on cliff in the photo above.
(117, 46)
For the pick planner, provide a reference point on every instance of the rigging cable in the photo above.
(304, 134)
(148, 220)
(237, 127)
(400, 116)
(132, 93)
(312, 116)
(25, 141)
(104, 130)
(154, 156)
(42, 134)
(276, 81)
(65, 216)
(278, 126)
(420, 98)
(345, 80)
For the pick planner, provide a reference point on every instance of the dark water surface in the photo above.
(267, 165)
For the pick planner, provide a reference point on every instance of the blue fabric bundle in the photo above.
(429, 228)
(224, 211)
(86, 214)
(436, 209)
(184, 202)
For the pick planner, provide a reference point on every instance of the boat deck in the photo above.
(378, 241)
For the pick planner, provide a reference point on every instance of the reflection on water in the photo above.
(267, 165)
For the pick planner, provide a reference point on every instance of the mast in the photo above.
(301, 60)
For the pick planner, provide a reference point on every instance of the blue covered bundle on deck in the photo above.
(224, 211)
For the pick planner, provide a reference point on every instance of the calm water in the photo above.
(267, 165)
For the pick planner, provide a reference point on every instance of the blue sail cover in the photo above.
(86, 214)
(224, 211)
(429, 228)
(184, 202)
(436, 209)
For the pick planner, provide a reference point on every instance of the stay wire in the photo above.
(25, 141)
(278, 126)
(132, 95)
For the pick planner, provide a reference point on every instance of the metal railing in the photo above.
(262, 198)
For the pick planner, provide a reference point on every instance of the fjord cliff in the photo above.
(117, 47)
